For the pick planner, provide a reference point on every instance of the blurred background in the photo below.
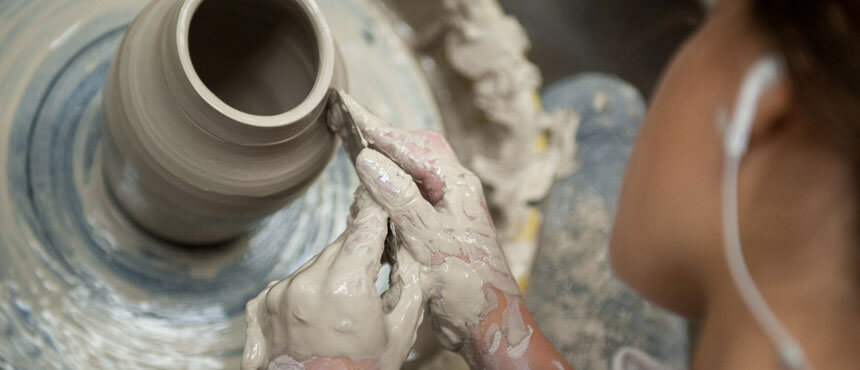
(632, 39)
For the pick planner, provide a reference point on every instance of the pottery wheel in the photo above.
(80, 285)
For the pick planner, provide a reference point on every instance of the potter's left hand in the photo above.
(328, 313)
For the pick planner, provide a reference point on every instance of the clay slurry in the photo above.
(263, 65)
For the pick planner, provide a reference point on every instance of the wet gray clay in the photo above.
(214, 114)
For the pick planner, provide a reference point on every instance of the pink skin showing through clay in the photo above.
(436, 206)
(447, 258)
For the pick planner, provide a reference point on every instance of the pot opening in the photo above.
(260, 57)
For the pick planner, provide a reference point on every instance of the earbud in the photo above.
(763, 75)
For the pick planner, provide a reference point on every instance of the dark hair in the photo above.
(820, 41)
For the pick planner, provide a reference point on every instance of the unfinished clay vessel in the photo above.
(214, 114)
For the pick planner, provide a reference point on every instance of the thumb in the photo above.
(364, 237)
(404, 303)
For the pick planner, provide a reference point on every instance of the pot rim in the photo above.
(316, 97)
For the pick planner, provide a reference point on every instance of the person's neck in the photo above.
(803, 252)
(818, 306)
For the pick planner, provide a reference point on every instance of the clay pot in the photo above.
(214, 114)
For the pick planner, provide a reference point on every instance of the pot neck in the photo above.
(211, 116)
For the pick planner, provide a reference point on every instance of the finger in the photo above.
(408, 150)
(395, 191)
(367, 226)
(404, 304)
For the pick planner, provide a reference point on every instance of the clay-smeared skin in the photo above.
(328, 314)
(447, 255)
(441, 218)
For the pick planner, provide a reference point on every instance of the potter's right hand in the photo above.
(440, 216)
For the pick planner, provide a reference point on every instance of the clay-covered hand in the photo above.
(440, 216)
(328, 312)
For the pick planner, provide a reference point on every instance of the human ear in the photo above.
(773, 109)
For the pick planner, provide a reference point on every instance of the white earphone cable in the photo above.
(762, 76)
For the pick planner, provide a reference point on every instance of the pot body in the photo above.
(214, 114)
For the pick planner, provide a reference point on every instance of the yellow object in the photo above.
(523, 283)
(529, 230)
(536, 100)
(542, 143)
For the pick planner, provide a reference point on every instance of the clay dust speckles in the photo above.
(213, 121)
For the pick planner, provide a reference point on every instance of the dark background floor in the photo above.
(633, 39)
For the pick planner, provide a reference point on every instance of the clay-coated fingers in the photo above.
(404, 308)
(396, 192)
(437, 142)
(367, 226)
(408, 150)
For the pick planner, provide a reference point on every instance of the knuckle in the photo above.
(406, 190)
(300, 288)
(434, 136)
(468, 180)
